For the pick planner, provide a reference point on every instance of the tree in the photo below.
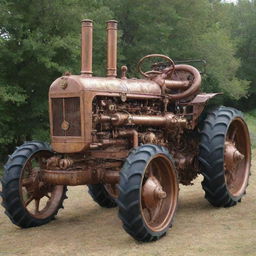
(182, 30)
(39, 41)
(244, 33)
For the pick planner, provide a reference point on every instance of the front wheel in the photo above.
(148, 193)
(225, 156)
(27, 200)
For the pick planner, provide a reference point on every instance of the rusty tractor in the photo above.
(131, 141)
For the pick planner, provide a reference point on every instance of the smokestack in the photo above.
(111, 48)
(86, 61)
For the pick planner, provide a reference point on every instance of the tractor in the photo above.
(131, 141)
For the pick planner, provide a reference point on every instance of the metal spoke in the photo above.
(37, 202)
(233, 134)
(28, 201)
(147, 213)
(28, 166)
(150, 170)
(26, 181)
(156, 212)
(47, 195)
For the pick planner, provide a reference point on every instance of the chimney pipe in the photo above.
(111, 48)
(86, 61)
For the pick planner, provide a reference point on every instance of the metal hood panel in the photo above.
(76, 83)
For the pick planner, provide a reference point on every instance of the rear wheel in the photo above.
(225, 156)
(104, 195)
(148, 192)
(29, 201)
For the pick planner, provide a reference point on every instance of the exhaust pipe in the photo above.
(111, 48)
(86, 61)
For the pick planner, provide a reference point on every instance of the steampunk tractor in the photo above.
(131, 141)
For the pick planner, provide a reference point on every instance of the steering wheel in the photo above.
(168, 71)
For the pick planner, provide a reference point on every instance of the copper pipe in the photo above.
(194, 87)
(167, 120)
(87, 38)
(111, 48)
(172, 84)
(133, 133)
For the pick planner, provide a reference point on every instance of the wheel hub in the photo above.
(34, 186)
(232, 156)
(152, 192)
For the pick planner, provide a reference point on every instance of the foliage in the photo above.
(39, 40)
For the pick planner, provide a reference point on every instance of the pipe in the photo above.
(193, 88)
(111, 48)
(167, 120)
(172, 84)
(86, 48)
(130, 133)
(79, 177)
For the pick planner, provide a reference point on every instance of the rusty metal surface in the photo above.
(117, 114)
(111, 48)
(237, 157)
(86, 47)
(203, 97)
(130, 133)
(159, 194)
(168, 120)
(76, 84)
(33, 191)
(194, 80)
(67, 121)
(79, 177)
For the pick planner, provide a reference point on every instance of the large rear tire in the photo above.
(225, 156)
(28, 201)
(148, 193)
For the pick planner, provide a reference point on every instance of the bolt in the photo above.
(160, 194)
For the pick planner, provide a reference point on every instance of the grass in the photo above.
(250, 119)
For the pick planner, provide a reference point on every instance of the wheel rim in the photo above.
(159, 193)
(112, 190)
(39, 199)
(237, 157)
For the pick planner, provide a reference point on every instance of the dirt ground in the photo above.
(83, 228)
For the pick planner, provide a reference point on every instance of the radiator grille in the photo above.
(66, 109)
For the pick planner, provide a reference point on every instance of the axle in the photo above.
(80, 177)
